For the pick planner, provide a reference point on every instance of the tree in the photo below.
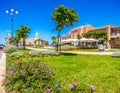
(54, 40)
(39, 40)
(63, 16)
(16, 40)
(23, 32)
(79, 37)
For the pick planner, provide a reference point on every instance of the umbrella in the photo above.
(93, 40)
(72, 40)
(88, 40)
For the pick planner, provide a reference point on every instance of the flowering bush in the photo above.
(74, 88)
(9, 49)
(30, 77)
(16, 54)
(117, 54)
(33, 53)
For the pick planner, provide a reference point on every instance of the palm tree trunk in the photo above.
(79, 44)
(24, 43)
(60, 44)
(58, 40)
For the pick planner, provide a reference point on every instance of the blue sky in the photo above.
(37, 15)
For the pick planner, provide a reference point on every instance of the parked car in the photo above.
(2, 46)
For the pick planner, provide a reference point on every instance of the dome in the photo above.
(9, 34)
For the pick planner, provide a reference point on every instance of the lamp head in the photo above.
(7, 11)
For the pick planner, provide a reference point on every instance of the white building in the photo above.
(32, 41)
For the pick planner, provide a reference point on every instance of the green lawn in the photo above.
(101, 71)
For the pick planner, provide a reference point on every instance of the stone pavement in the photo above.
(2, 70)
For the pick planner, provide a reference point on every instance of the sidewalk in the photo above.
(90, 53)
(34, 48)
(2, 71)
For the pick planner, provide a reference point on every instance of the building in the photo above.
(32, 41)
(8, 39)
(102, 40)
(112, 34)
(115, 37)
(78, 30)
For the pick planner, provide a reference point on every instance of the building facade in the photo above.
(31, 41)
(112, 36)
(115, 37)
(78, 30)
(8, 39)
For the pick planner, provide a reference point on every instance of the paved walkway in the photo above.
(90, 53)
(2, 71)
(77, 52)
(34, 48)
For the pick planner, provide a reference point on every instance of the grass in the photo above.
(86, 50)
(101, 71)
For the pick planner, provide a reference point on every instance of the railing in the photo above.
(115, 35)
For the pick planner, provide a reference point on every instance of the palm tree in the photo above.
(53, 39)
(63, 16)
(16, 40)
(23, 32)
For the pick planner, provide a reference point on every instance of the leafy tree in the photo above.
(63, 16)
(53, 39)
(79, 37)
(16, 39)
(23, 32)
(46, 42)
(39, 41)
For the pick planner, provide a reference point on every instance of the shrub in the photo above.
(115, 50)
(30, 77)
(67, 47)
(48, 52)
(117, 54)
(16, 54)
(33, 53)
(89, 47)
(9, 49)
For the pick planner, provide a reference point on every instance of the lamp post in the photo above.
(11, 12)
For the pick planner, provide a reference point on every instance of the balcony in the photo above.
(115, 35)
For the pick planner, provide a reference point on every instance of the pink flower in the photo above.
(92, 87)
(71, 86)
(48, 91)
(75, 83)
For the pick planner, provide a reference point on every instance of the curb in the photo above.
(2, 71)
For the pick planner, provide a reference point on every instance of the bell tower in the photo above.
(36, 36)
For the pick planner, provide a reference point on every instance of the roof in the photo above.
(79, 27)
(103, 27)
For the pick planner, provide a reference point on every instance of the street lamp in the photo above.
(11, 12)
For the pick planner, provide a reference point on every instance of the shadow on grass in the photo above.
(68, 54)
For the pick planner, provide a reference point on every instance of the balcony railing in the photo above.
(115, 35)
